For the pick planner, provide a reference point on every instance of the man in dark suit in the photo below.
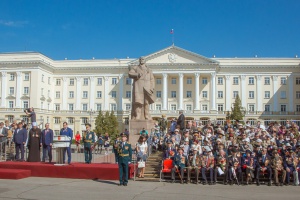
(263, 165)
(46, 142)
(19, 138)
(181, 120)
(68, 132)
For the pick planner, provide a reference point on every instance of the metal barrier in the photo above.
(3, 146)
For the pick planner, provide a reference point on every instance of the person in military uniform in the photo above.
(221, 166)
(193, 164)
(88, 142)
(179, 163)
(277, 165)
(234, 167)
(263, 165)
(124, 154)
(207, 164)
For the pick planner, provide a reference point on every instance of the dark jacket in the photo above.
(180, 121)
(5, 133)
(20, 136)
(47, 139)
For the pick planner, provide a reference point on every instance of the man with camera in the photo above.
(30, 113)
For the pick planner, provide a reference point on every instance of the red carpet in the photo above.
(14, 173)
(75, 170)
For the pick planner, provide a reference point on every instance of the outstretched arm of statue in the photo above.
(133, 74)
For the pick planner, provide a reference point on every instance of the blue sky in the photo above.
(120, 28)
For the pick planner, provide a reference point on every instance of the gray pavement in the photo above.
(54, 188)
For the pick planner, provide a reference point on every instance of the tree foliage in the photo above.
(107, 123)
(236, 111)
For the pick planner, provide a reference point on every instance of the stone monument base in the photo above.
(135, 126)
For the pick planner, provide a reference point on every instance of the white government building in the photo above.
(205, 88)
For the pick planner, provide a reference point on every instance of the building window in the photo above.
(235, 80)
(99, 81)
(204, 81)
(70, 120)
(26, 77)
(114, 81)
(57, 106)
(84, 107)
(267, 94)
(25, 104)
(220, 80)
(71, 106)
(173, 94)
(42, 91)
(173, 107)
(283, 81)
(251, 107)
(128, 94)
(128, 81)
(267, 80)
(71, 94)
(158, 94)
(283, 108)
(297, 94)
(158, 107)
(298, 108)
(11, 90)
(12, 77)
(220, 94)
(49, 80)
(127, 106)
(189, 81)
(56, 120)
(98, 106)
(48, 93)
(113, 107)
(113, 94)
(267, 108)
(188, 107)
(173, 81)
(26, 90)
(84, 120)
(158, 81)
(85, 81)
(10, 118)
(251, 80)
(297, 80)
(42, 105)
(71, 81)
(58, 82)
(85, 94)
(235, 93)
(204, 107)
(251, 94)
(99, 94)
(57, 94)
(220, 107)
(204, 94)
(11, 104)
(43, 76)
(188, 94)
(283, 94)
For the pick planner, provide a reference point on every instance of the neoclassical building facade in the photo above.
(204, 88)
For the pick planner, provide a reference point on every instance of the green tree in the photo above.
(236, 111)
(107, 124)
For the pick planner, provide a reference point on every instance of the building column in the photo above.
(121, 88)
(78, 93)
(19, 90)
(291, 93)
(180, 103)
(106, 93)
(92, 93)
(165, 92)
(64, 93)
(275, 96)
(258, 94)
(243, 91)
(197, 91)
(213, 91)
(228, 93)
(3, 89)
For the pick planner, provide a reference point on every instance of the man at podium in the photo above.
(68, 132)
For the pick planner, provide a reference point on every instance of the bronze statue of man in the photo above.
(143, 89)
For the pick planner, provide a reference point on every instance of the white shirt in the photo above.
(143, 147)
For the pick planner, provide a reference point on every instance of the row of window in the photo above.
(114, 81)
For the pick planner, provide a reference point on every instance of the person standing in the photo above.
(142, 148)
(88, 141)
(77, 140)
(32, 116)
(163, 124)
(3, 136)
(68, 132)
(19, 138)
(106, 139)
(124, 158)
(34, 138)
(46, 142)
(181, 120)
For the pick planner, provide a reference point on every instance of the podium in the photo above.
(60, 143)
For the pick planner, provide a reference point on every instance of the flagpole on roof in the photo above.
(172, 33)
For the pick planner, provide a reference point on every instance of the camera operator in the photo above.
(30, 113)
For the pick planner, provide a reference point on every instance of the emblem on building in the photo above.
(172, 57)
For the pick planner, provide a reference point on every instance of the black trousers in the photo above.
(269, 172)
(173, 171)
(18, 148)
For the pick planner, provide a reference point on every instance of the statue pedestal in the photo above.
(135, 126)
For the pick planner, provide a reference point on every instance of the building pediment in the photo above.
(42, 98)
(175, 56)
(10, 97)
(25, 97)
(49, 100)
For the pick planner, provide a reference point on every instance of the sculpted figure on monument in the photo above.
(143, 89)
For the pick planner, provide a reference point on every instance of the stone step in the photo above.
(151, 175)
(147, 179)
